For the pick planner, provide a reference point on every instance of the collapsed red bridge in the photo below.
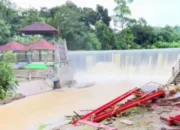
(113, 107)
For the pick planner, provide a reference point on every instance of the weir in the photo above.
(115, 65)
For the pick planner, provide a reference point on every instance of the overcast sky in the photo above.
(156, 12)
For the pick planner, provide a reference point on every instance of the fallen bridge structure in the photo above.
(115, 107)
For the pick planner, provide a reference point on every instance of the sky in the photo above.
(156, 12)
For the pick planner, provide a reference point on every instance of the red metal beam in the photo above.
(171, 120)
(129, 105)
(108, 105)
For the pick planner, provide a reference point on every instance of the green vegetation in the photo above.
(88, 29)
(9, 57)
(8, 81)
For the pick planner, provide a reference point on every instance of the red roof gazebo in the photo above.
(39, 28)
(41, 45)
(13, 46)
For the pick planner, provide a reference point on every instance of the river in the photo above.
(114, 73)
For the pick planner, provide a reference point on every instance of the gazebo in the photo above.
(15, 47)
(39, 28)
(41, 46)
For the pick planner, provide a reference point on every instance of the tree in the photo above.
(103, 15)
(89, 16)
(105, 36)
(4, 32)
(122, 13)
(144, 35)
(142, 21)
(30, 16)
(92, 42)
(125, 40)
(68, 19)
(26, 39)
(8, 81)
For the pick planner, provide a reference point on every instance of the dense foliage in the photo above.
(9, 57)
(88, 29)
(7, 81)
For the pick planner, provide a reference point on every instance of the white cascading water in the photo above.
(102, 66)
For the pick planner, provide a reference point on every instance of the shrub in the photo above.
(9, 57)
(8, 81)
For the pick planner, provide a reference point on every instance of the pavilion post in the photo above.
(26, 57)
(40, 55)
(53, 56)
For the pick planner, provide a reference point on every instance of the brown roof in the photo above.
(13, 46)
(38, 27)
(41, 45)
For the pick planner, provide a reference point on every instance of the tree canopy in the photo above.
(87, 28)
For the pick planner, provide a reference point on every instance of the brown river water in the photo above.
(22, 114)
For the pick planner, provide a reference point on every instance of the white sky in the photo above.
(156, 12)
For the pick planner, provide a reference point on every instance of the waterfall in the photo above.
(149, 64)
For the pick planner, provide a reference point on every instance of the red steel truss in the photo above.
(113, 107)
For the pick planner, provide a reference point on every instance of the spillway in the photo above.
(114, 65)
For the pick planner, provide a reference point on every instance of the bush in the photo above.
(9, 57)
(8, 81)
(1, 57)
(166, 45)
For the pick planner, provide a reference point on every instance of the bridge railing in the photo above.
(175, 71)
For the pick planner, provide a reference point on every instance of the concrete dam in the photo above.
(115, 65)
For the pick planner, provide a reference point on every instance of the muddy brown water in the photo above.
(22, 114)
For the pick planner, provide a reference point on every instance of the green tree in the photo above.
(122, 13)
(10, 15)
(30, 16)
(26, 39)
(125, 40)
(4, 32)
(68, 19)
(144, 35)
(89, 16)
(91, 42)
(105, 36)
(8, 81)
(102, 15)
